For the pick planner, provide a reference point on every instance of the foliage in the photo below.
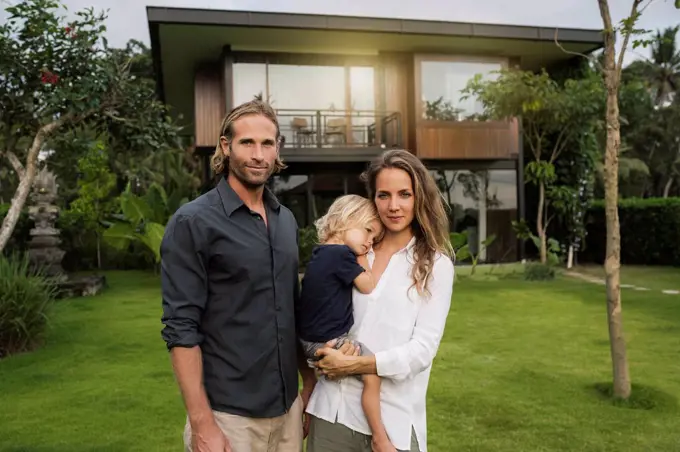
(143, 220)
(553, 247)
(307, 240)
(553, 115)
(440, 110)
(536, 271)
(650, 231)
(93, 204)
(60, 75)
(461, 246)
(25, 299)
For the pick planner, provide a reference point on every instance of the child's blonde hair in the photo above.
(346, 212)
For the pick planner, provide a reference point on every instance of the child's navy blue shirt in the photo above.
(325, 308)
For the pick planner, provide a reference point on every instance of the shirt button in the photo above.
(278, 307)
(280, 338)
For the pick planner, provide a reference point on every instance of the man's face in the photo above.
(253, 150)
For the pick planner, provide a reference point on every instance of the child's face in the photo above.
(361, 239)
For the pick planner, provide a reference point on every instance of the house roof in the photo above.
(182, 38)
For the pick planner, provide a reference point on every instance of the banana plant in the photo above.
(459, 241)
(142, 220)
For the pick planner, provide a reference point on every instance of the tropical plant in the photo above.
(463, 251)
(26, 296)
(553, 115)
(142, 220)
(95, 186)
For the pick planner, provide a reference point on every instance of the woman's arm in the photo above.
(415, 355)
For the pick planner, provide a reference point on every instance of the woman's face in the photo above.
(394, 199)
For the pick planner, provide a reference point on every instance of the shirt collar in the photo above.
(407, 249)
(231, 200)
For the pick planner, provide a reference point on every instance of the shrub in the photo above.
(535, 271)
(650, 232)
(25, 299)
(307, 239)
(79, 244)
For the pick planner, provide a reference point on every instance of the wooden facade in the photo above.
(209, 105)
(467, 140)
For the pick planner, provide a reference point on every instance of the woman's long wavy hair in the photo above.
(430, 223)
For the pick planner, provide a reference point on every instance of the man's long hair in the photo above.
(219, 162)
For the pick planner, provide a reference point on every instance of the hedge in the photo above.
(650, 232)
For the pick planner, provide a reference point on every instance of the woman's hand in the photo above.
(382, 446)
(338, 363)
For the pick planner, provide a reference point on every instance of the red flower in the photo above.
(48, 77)
(67, 30)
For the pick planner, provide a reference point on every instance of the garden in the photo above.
(538, 354)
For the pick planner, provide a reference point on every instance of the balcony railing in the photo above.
(339, 128)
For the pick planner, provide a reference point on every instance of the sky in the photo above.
(127, 18)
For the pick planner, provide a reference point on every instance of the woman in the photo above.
(401, 321)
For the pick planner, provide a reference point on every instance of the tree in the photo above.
(57, 76)
(612, 80)
(95, 185)
(553, 115)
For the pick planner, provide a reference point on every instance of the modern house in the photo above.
(346, 88)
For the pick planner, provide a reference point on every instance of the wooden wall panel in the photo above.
(209, 105)
(467, 140)
(398, 81)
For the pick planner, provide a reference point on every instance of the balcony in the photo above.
(329, 135)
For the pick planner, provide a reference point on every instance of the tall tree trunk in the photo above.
(539, 223)
(667, 187)
(25, 183)
(612, 265)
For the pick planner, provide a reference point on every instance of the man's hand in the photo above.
(209, 438)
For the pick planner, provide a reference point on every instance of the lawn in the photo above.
(516, 372)
(655, 278)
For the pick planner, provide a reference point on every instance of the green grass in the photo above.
(656, 278)
(521, 368)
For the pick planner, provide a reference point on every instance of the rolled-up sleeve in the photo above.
(183, 283)
(416, 355)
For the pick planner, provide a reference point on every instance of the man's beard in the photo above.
(241, 174)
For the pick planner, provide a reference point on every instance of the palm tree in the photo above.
(663, 69)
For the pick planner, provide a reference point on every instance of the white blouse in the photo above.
(403, 330)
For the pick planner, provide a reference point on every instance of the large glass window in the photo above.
(331, 103)
(483, 204)
(249, 80)
(441, 83)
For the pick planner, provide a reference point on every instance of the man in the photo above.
(229, 286)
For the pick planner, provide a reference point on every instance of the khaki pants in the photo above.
(325, 436)
(279, 434)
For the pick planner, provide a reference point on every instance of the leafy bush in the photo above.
(79, 244)
(650, 232)
(535, 271)
(307, 239)
(25, 299)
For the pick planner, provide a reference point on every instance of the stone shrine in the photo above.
(43, 248)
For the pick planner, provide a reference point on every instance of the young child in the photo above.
(338, 264)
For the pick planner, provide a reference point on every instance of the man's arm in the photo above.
(184, 286)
